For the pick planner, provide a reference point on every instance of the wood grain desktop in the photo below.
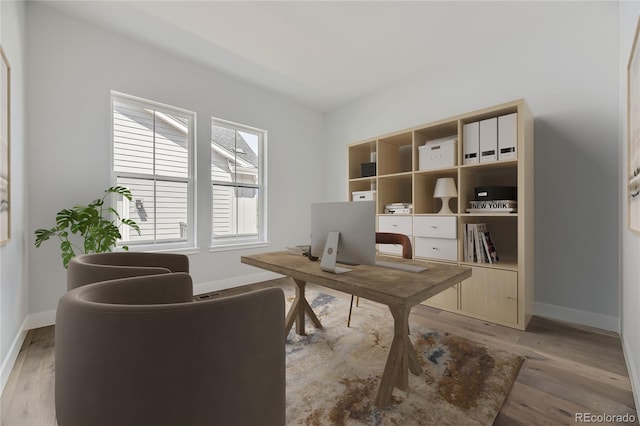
(399, 290)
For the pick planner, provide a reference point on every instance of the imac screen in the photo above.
(356, 223)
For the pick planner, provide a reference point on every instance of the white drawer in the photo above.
(437, 248)
(395, 224)
(435, 226)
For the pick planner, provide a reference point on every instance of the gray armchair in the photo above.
(92, 268)
(140, 351)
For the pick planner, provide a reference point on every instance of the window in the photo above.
(153, 156)
(238, 184)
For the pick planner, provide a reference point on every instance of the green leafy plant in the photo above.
(92, 223)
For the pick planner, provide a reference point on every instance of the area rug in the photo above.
(333, 373)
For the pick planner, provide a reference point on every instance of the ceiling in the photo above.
(323, 53)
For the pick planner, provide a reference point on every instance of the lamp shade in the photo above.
(445, 187)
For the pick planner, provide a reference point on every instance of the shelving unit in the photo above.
(501, 292)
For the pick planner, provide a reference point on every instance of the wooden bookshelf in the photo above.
(501, 292)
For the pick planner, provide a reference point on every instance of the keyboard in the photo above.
(400, 266)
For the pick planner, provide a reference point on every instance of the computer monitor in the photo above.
(356, 242)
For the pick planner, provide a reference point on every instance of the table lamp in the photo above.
(445, 190)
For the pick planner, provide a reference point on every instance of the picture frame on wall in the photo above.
(633, 133)
(5, 146)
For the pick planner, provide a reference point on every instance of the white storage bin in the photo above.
(364, 195)
(437, 154)
(508, 136)
(435, 226)
(489, 139)
(437, 248)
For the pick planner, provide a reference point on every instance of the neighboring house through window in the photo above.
(153, 155)
(238, 184)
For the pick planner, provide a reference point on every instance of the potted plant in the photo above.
(96, 224)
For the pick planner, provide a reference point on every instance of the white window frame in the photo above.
(188, 245)
(234, 242)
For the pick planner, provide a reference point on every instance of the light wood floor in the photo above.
(569, 369)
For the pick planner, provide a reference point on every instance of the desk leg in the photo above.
(299, 307)
(402, 358)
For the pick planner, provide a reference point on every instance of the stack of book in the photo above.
(478, 244)
(398, 208)
(493, 206)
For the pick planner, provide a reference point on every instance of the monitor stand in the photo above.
(330, 254)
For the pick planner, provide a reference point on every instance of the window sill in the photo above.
(156, 249)
(238, 246)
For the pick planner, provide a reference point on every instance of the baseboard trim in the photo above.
(632, 369)
(576, 316)
(42, 319)
(12, 356)
(210, 286)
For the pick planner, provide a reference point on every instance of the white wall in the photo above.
(13, 272)
(562, 57)
(630, 242)
(72, 68)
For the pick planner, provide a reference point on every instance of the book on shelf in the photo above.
(478, 230)
(468, 243)
(465, 246)
(398, 208)
(478, 244)
(485, 211)
(489, 247)
(469, 248)
(492, 206)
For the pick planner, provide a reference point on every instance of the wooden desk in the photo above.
(399, 290)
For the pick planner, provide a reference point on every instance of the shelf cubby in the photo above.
(362, 184)
(359, 154)
(424, 185)
(394, 189)
(426, 134)
(492, 174)
(395, 154)
(504, 233)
